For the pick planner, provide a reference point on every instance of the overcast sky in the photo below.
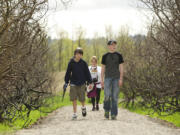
(94, 15)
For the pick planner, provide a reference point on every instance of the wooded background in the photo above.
(28, 57)
(152, 61)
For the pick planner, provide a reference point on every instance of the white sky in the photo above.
(94, 15)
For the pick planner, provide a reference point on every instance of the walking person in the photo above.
(111, 79)
(77, 75)
(96, 78)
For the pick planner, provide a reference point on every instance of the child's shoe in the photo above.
(74, 117)
(106, 114)
(93, 109)
(84, 113)
(113, 117)
(97, 107)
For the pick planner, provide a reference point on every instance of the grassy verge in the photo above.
(174, 118)
(51, 104)
(54, 102)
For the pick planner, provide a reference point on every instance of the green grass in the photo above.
(174, 118)
(51, 103)
(54, 102)
(4, 128)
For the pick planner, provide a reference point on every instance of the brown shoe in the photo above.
(97, 107)
(93, 109)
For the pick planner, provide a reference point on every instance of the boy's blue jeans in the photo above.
(111, 94)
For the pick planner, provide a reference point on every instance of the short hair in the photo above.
(110, 42)
(94, 58)
(78, 50)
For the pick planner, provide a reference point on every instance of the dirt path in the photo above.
(127, 123)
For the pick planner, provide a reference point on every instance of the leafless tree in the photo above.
(153, 72)
(24, 78)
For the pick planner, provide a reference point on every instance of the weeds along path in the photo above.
(127, 123)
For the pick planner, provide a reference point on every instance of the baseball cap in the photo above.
(110, 42)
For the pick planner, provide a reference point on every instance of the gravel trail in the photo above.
(127, 123)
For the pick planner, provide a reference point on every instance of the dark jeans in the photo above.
(97, 98)
(111, 94)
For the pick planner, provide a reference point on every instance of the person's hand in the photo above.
(102, 85)
(120, 82)
(65, 86)
(90, 86)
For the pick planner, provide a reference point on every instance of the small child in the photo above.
(78, 74)
(95, 71)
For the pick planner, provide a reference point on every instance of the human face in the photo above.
(112, 48)
(93, 63)
(78, 56)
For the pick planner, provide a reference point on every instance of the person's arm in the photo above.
(99, 74)
(68, 73)
(121, 61)
(103, 67)
(102, 75)
(121, 74)
(88, 74)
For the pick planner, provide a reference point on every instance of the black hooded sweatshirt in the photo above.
(78, 73)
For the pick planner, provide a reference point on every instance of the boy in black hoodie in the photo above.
(78, 74)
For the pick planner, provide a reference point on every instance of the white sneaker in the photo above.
(74, 117)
